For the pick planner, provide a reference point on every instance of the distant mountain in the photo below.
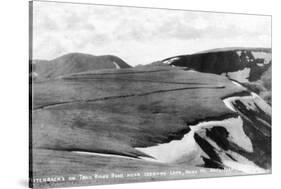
(75, 63)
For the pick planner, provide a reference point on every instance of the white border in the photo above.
(14, 91)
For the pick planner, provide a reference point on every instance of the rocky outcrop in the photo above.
(263, 86)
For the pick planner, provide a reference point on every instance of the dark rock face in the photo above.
(257, 126)
(218, 63)
(219, 135)
(214, 161)
(256, 72)
(223, 62)
(262, 86)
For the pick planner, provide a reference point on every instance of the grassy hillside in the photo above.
(112, 114)
(75, 63)
(116, 111)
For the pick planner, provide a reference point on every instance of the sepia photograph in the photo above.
(124, 94)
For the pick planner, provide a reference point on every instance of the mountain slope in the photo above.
(248, 66)
(245, 64)
(148, 119)
(75, 63)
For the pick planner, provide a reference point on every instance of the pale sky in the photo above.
(138, 35)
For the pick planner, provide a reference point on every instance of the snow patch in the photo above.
(251, 101)
(262, 55)
(117, 65)
(240, 75)
(190, 70)
(239, 53)
(237, 84)
(172, 151)
(170, 60)
(187, 146)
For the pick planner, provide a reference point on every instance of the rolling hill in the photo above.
(74, 63)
